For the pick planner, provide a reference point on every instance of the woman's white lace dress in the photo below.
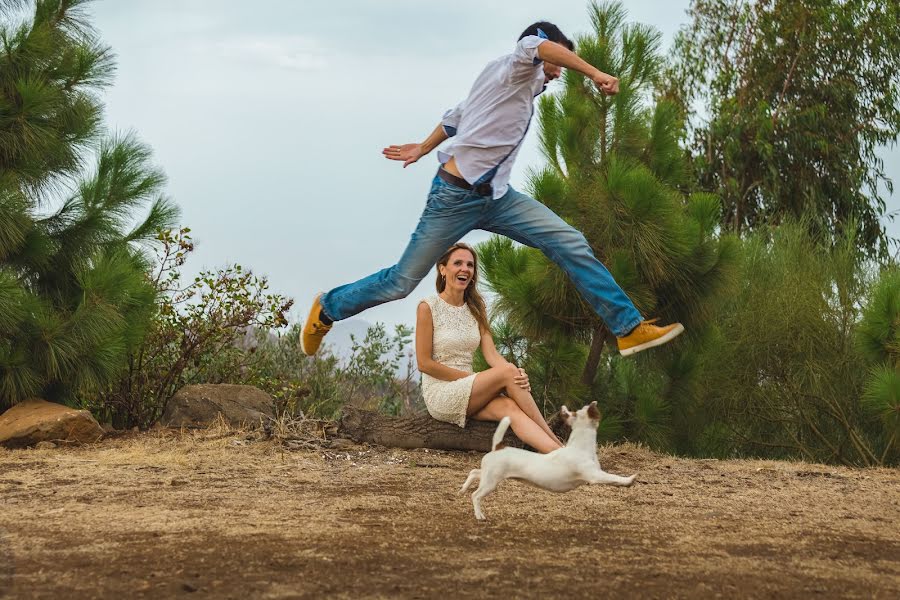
(456, 337)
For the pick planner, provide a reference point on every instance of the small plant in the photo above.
(195, 335)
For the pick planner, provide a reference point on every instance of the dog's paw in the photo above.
(630, 480)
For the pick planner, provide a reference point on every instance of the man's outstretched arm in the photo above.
(410, 153)
(562, 56)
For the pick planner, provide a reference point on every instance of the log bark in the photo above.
(420, 431)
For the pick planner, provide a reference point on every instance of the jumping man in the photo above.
(471, 191)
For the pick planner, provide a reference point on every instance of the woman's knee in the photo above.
(512, 410)
(499, 377)
(506, 374)
(505, 407)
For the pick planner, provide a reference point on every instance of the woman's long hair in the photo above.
(471, 296)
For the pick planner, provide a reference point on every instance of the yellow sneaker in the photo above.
(647, 335)
(314, 329)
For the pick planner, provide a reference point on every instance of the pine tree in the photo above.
(879, 340)
(74, 294)
(614, 170)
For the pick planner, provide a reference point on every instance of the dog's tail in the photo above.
(501, 431)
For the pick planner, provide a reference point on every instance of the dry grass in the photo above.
(281, 514)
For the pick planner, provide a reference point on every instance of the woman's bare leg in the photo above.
(522, 425)
(489, 384)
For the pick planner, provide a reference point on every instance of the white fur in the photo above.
(562, 470)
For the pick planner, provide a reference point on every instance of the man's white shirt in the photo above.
(487, 127)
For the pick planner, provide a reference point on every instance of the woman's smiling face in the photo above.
(459, 271)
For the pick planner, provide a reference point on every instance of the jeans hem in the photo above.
(325, 311)
(628, 329)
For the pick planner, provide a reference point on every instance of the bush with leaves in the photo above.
(225, 327)
(378, 374)
(781, 374)
(194, 337)
(373, 367)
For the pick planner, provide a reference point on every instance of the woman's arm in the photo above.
(489, 350)
(424, 337)
(495, 359)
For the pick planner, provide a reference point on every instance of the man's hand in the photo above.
(408, 153)
(607, 84)
(559, 55)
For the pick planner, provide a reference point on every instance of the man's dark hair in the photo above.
(552, 31)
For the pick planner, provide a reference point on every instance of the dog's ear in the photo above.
(565, 415)
(593, 412)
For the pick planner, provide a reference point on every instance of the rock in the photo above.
(33, 421)
(200, 406)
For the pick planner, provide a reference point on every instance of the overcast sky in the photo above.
(269, 119)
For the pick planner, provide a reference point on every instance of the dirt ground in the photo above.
(169, 514)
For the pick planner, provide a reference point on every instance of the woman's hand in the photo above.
(522, 380)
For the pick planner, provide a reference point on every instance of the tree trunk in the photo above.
(598, 339)
(422, 431)
(419, 431)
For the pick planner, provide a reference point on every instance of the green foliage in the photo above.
(194, 336)
(788, 102)
(74, 294)
(636, 397)
(879, 330)
(882, 397)
(53, 66)
(377, 375)
(878, 340)
(371, 372)
(780, 367)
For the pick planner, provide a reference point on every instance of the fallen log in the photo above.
(421, 431)
(418, 431)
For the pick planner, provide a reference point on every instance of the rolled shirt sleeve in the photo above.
(450, 120)
(527, 50)
(488, 127)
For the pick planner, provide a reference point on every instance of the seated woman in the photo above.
(449, 328)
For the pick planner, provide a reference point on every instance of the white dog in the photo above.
(562, 470)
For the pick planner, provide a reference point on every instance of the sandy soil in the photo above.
(169, 514)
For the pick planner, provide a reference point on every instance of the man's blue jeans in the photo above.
(450, 213)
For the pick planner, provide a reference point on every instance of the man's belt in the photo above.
(482, 189)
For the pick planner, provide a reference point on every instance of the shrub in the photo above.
(194, 336)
